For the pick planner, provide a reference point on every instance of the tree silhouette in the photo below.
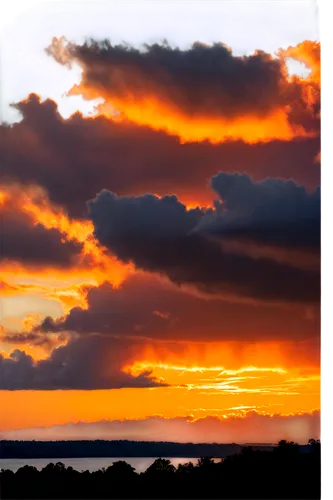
(120, 470)
(288, 449)
(185, 468)
(205, 462)
(314, 444)
(161, 466)
(289, 472)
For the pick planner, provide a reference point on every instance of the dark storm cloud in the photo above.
(270, 211)
(155, 309)
(202, 81)
(133, 309)
(76, 158)
(92, 362)
(160, 235)
(24, 241)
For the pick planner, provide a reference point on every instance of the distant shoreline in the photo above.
(118, 449)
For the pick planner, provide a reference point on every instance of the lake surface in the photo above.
(92, 464)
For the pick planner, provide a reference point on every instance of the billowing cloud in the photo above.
(202, 93)
(92, 362)
(24, 240)
(252, 427)
(154, 309)
(271, 211)
(161, 235)
(75, 158)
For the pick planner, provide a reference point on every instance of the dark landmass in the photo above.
(284, 472)
(80, 449)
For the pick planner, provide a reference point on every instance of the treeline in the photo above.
(283, 473)
(100, 448)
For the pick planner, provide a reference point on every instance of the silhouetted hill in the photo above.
(76, 449)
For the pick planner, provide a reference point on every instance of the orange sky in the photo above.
(205, 377)
(207, 392)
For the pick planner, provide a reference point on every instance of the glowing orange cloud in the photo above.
(30, 321)
(150, 111)
(94, 259)
(279, 386)
(131, 93)
(140, 367)
(46, 285)
(2, 198)
(82, 231)
(308, 53)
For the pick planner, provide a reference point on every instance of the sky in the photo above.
(160, 215)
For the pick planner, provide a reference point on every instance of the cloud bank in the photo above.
(57, 154)
(161, 235)
(145, 306)
(252, 427)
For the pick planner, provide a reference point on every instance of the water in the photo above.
(92, 464)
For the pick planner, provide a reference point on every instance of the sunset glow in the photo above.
(158, 116)
(160, 260)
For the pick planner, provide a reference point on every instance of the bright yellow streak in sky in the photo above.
(192, 392)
